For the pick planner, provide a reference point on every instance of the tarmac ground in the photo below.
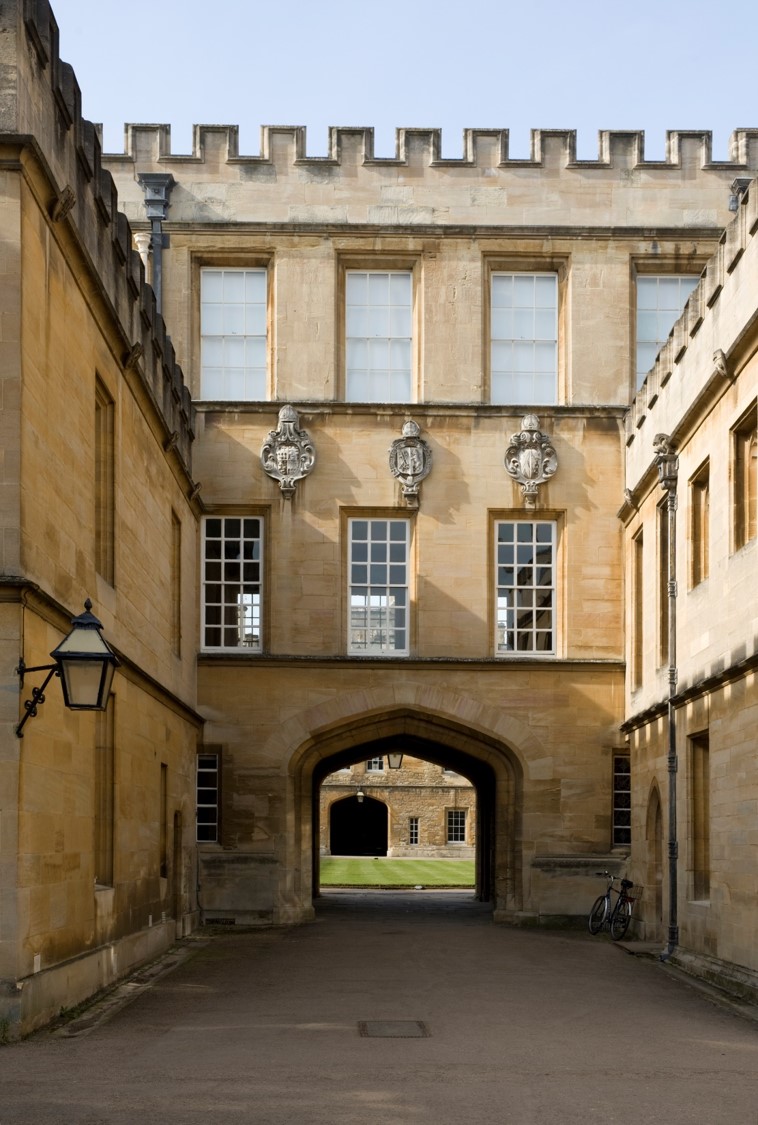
(393, 1008)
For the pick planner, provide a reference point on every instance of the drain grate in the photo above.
(393, 1029)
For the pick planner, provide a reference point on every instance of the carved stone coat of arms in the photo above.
(410, 461)
(288, 453)
(530, 458)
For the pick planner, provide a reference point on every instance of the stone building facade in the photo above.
(691, 701)
(407, 501)
(416, 809)
(441, 360)
(97, 811)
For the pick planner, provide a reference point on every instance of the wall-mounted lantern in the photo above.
(85, 663)
(359, 796)
(394, 760)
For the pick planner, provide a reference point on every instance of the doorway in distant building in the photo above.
(358, 826)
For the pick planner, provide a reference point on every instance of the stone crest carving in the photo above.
(530, 458)
(410, 461)
(288, 453)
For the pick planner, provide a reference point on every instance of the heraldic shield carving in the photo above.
(530, 459)
(288, 454)
(410, 462)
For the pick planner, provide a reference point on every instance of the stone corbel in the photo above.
(721, 364)
(288, 453)
(410, 462)
(667, 461)
(631, 499)
(131, 358)
(62, 204)
(530, 459)
(141, 240)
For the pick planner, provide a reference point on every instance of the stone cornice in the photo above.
(313, 408)
(557, 233)
(695, 690)
(504, 665)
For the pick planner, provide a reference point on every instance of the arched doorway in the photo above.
(492, 771)
(455, 731)
(358, 826)
(654, 876)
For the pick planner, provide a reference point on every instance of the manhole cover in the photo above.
(393, 1029)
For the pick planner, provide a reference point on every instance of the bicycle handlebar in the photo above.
(626, 884)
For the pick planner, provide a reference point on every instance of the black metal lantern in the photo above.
(395, 759)
(85, 663)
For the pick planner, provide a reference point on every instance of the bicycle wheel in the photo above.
(598, 914)
(620, 919)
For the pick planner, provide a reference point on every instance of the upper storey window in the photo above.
(524, 329)
(660, 301)
(378, 335)
(233, 317)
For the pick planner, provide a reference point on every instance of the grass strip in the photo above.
(352, 871)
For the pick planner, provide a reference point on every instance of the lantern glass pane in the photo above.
(86, 683)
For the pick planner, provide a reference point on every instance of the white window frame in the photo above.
(234, 334)
(224, 571)
(413, 830)
(379, 335)
(520, 583)
(524, 337)
(663, 311)
(456, 823)
(375, 765)
(377, 577)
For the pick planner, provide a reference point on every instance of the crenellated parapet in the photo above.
(419, 187)
(707, 346)
(482, 148)
(43, 132)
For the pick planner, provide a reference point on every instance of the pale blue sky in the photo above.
(585, 65)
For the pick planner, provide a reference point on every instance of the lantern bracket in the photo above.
(38, 693)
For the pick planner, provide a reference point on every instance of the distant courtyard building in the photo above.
(415, 810)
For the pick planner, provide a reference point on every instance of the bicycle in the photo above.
(617, 916)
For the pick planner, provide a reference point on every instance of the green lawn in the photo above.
(346, 871)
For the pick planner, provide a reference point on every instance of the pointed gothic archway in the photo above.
(487, 762)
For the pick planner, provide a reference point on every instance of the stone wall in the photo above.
(704, 383)
(97, 863)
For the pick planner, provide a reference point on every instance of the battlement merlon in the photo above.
(41, 127)
(482, 148)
